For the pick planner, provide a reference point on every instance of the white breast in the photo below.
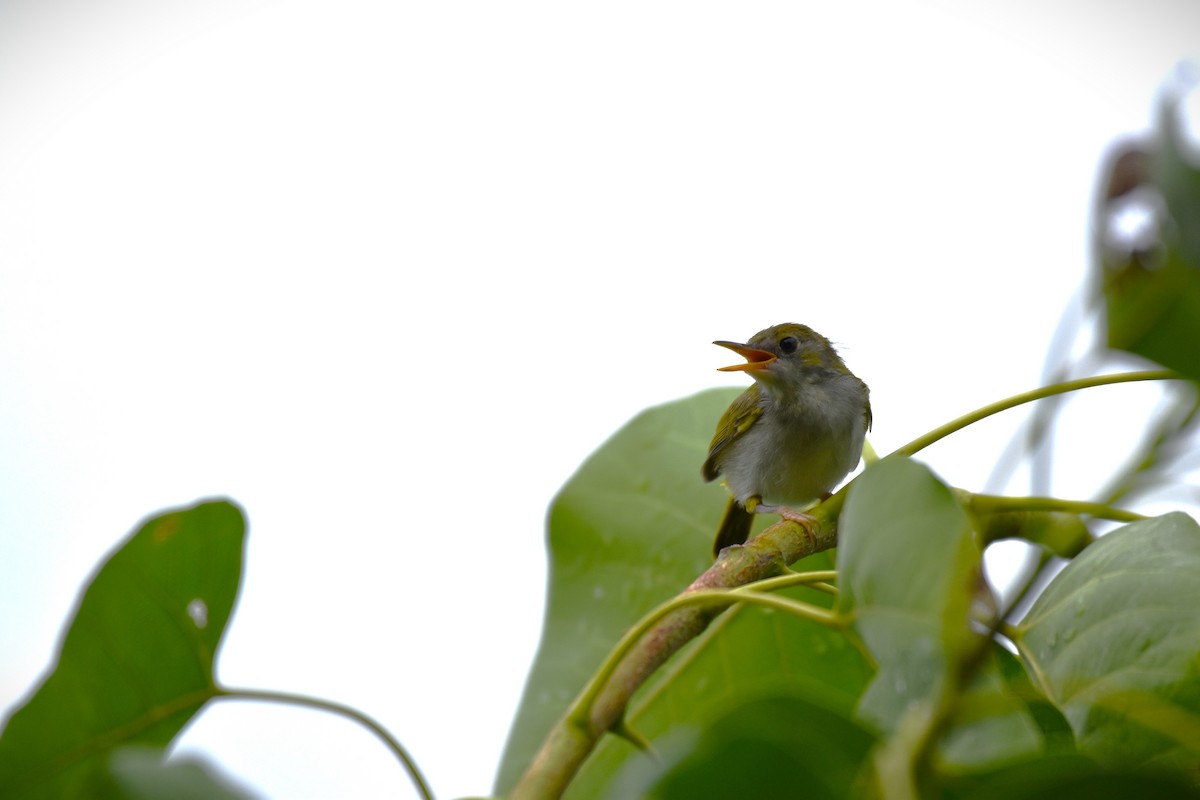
(794, 458)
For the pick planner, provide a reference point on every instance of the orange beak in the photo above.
(755, 359)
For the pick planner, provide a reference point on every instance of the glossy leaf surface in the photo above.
(1114, 642)
(907, 567)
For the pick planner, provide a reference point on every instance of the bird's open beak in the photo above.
(755, 359)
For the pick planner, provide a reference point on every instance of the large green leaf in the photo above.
(908, 567)
(767, 747)
(1114, 641)
(631, 529)
(136, 662)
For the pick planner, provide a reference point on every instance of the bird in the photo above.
(793, 435)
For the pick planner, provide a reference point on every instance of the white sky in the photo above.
(387, 272)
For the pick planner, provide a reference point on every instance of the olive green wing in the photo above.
(736, 420)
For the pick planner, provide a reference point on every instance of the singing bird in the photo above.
(793, 435)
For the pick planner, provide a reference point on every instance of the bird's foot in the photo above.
(808, 522)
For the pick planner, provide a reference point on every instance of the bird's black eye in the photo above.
(788, 344)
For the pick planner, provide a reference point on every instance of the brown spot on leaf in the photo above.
(165, 529)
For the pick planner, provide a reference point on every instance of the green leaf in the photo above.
(907, 568)
(631, 529)
(136, 662)
(1056, 734)
(768, 747)
(1153, 309)
(1066, 777)
(1155, 313)
(1114, 642)
(1000, 718)
(1175, 173)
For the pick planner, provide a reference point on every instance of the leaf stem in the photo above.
(793, 578)
(990, 504)
(942, 431)
(331, 707)
(581, 709)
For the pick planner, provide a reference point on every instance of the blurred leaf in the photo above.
(136, 662)
(1000, 719)
(908, 566)
(139, 773)
(1066, 777)
(631, 529)
(1155, 313)
(768, 747)
(1114, 641)
(1155, 464)
(1152, 295)
(1056, 734)
(1064, 535)
(1174, 173)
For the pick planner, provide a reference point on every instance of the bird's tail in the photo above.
(735, 527)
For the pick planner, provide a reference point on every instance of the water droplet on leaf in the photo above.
(198, 611)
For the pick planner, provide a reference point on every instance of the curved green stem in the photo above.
(791, 578)
(816, 579)
(581, 709)
(335, 708)
(942, 431)
(990, 504)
